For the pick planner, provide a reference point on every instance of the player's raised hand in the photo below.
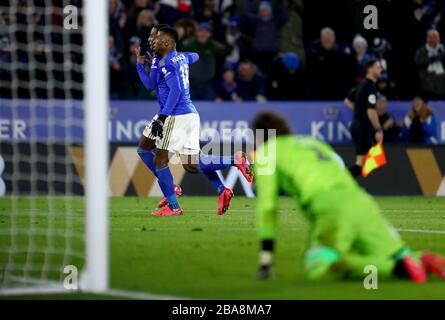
(148, 57)
(139, 58)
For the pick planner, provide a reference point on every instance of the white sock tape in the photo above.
(266, 258)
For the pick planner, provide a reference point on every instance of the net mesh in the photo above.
(42, 212)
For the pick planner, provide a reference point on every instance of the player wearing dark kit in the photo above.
(365, 127)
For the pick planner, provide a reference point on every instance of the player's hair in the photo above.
(171, 32)
(268, 120)
(159, 26)
(370, 63)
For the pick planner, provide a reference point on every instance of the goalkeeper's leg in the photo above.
(344, 241)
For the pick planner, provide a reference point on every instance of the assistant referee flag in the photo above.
(374, 159)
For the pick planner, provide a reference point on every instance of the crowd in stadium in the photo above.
(250, 50)
(261, 50)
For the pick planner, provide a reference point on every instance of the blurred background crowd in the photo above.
(255, 50)
(286, 50)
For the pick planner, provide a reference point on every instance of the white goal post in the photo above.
(54, 166)
(96, 113)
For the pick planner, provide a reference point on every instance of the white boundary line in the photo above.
(413, 210)
(422, 231)
(52, 287)
(10, 292)
(35, 286)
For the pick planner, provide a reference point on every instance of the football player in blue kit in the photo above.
(175, 129)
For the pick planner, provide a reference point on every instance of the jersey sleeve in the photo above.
(192, 57)
(171, 77)
(351, 95)
(267, 186)
(371, 98)
(150, 81)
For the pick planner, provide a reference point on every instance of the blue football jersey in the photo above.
(173, 83)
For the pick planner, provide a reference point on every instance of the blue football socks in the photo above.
(165, 180)
(208, 164)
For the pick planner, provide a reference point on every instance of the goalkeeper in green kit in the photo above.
(347, 231)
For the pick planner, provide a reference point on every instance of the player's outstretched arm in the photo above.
(192, 57)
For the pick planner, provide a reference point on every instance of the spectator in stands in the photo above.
(186, 29)
(265, 39)
(381, 49)
(170, 11)
(430, 61)
(291, 33)
(145, 22)
(41, 74)
(226, 90)
(240, 42)
(360, 46)
(419, 125)
(222, 7)
(137, 6)
(116, 70)
(440, 18)
(116, 17)
(390, 128)
(205, 70)
(327, 69)
(425, 13)
(6, 69)
(286, 78)
(251, 83)
(210, 14)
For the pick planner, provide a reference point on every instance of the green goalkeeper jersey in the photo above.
(300, 166)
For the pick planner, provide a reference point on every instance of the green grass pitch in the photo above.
(201, 255)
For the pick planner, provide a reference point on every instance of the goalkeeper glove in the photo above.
(157, 126)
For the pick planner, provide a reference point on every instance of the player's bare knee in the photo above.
(161, 160)
(146, 143)
(160, 163)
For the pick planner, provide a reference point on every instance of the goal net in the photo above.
(53, 101)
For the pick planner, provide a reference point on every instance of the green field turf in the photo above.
(201, 255)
